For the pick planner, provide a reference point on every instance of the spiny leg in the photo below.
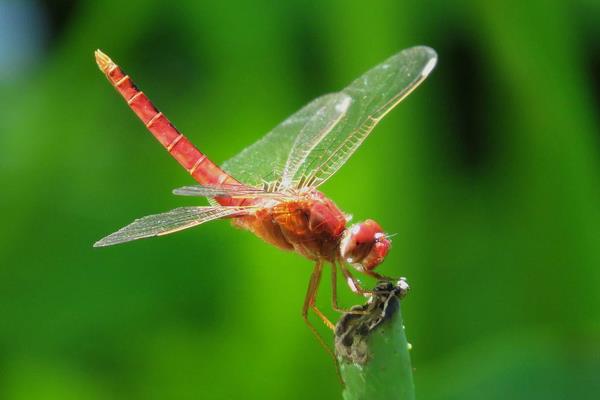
(311, 296)
(353, 282)
(380, 277)
(309, 302)
(325, 320)
(357, 288)
(334, 303)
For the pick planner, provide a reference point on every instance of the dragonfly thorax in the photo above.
(364, 245)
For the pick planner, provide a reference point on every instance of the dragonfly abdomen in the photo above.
(202, 169)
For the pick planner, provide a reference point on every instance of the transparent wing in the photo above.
(373, 94)
(317, 127)
(235, 192)
(310, 146)
(169, 222)
(219, 191)
(265, 161)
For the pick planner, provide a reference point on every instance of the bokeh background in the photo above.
(488, 173)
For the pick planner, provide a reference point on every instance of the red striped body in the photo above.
(311, 225)
(193, 160)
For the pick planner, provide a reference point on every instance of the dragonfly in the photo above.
(271, 187)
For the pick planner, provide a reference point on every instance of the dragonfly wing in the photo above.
(373, 95)
(265, 160)
(219, 191)
(168, 222)
(312, 133)
(234, 192)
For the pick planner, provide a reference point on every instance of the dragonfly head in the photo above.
(364, 245)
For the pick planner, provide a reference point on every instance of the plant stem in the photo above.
(372, 349)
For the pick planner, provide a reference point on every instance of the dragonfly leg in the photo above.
(353, 282)
(380, 277)
(311, 296)
(334, 303)
(309, 302)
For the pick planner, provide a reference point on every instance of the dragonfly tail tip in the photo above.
(102, 60)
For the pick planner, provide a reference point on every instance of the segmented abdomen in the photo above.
(193, 160)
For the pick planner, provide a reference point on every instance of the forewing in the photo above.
(265, 160)
(373, 95)
(318, 126)
(169, 222)
(237, 191)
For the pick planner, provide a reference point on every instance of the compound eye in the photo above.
(364, 245)
(366, 232)
(378, 252)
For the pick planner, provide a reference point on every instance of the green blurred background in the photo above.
(488, 173)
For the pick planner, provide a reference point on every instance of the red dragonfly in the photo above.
(270, 188)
